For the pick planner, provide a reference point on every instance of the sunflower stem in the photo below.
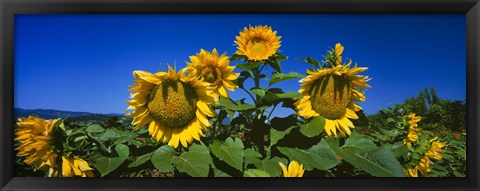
(260, 71)
(259, 137)
(271, 112)
(251, 96)
(214, 127)
(256, 79)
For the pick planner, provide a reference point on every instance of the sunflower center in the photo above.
(210, 74)
(259, 48)
(331, 95)
(173, 103)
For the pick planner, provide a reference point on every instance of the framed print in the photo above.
(261, 95)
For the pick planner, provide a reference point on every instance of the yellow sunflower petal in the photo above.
(66, 170)
(205, 109)
(284, 169)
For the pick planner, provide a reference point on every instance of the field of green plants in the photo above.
(184, 123)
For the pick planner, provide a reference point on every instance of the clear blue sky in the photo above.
(85, 62)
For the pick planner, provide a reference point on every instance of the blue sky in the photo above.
(85, 62)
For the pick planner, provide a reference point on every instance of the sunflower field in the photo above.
(183, 122)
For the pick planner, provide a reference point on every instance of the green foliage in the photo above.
(251, 156)
(271, 166)
(311, 61)
(94, 129)
(105, 165)
(255, 173)
(258, 91)
(140, 160)
(443, 119)
(314, 127)
(162, 158)
(278, 77)
(231, 151)
(398, 149)
(234, 106)
(319, 156)
(195, 162)
(365, 156)
(249, 66)
(438, 113)
(454, 159)
(276, 135)
(271, 97)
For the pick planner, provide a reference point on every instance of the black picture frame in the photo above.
(8, 8)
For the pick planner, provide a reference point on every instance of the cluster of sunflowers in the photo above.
(177, 107)
(432, 148)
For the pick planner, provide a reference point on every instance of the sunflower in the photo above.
(35, 137)
(424, 165)
(257, 43)
(338, 53)
(411, 172)
(331, 93)
(214, 70)
(75, 166)
(295, 169)
(413, 129)
(433, 153)
(174, 106)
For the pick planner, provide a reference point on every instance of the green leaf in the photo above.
(274, 61)
(390, 133)
(314, 127)
(275, 65)
(219, 173)
(195, 162)
(458, 174)
(358, 143)
(237, 57)
(271, 166)
(162, 158)
(416, 156)
(398, 149)
(105, 165)
(118, 136)
(390, 120)
(140, 160)
(230, 113)
(438, 171)
(319, 156)
(231, 152)
(310, 61)
(228, 104)
(278, 77)
(249, 66)
(252, 156)
(279, 57)
(94, 129)
(270, 97)
(258, 91)
(255, 173)
(379, 162)
(283, 123)
(276, 135)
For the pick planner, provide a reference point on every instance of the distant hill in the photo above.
(53, 114)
